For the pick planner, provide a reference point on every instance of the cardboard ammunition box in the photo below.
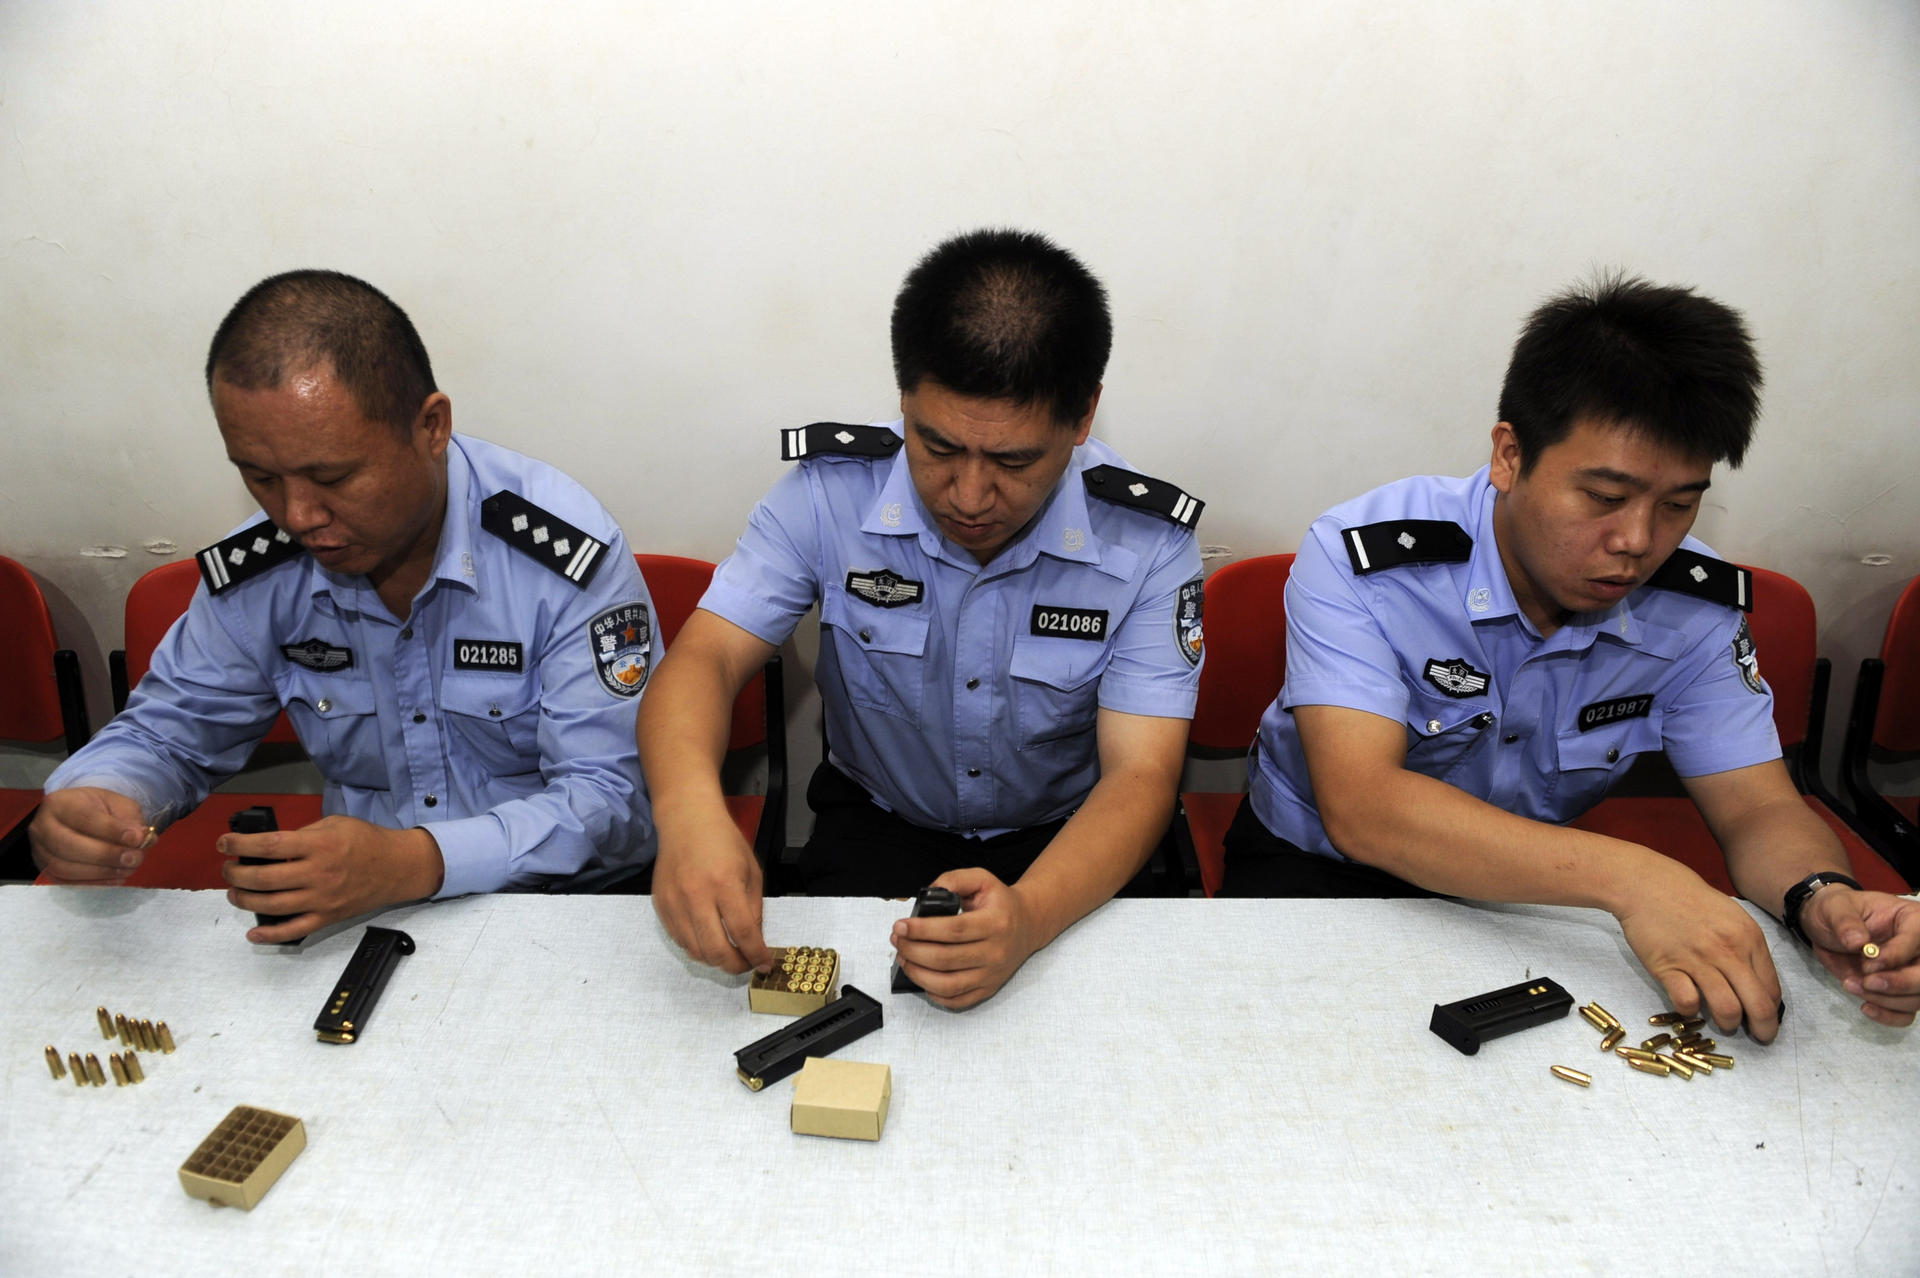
(847, 1099)
(239, 1161)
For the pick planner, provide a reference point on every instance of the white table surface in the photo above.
(1174, 1087)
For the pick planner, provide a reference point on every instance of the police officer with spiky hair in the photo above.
(1010, 639)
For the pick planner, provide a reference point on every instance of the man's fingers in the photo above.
(276, 845)
(1682, 995)
(288, 930)
(740, 915)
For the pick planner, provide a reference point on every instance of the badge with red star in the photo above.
(622, 641)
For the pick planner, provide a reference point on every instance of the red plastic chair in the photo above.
(183, 856)
(1784, 635)
(1246, 639)
(40, 695)
(1885, 718)
(759, 712)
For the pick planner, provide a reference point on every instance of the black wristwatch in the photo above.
(1801, 892)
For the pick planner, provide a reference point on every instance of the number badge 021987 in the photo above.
(622, 640)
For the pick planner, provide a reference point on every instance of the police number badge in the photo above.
(1186, 621)
(1456, 678)
(622, 641)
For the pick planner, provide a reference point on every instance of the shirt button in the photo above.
(407, 633)
(973, 772)
(866, 636)
(323, 705)
(432, 801)
(418, 717)
(1433, 725)
(1512, 737)
(494, 711)
(972, 684)
(1613, 754)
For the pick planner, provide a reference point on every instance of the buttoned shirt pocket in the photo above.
(1590, 762)
(879, 653)
(492, 722)
(337, 719)
(1056, 687)
(1443, 733)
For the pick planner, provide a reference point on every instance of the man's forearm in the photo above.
(1446, 840)
(1098, 851)
(682, 734)
(1770, 848)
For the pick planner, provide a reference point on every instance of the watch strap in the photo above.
(1800, 893)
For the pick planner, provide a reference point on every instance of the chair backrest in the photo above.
(1246, 645)
(156, 601)
(1896, 724)
(1786, 638)
(29, 696)
(676, 584)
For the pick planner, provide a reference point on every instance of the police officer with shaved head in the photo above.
(458, 634)
(1010, 639)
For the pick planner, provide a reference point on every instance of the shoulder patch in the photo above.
(1374, 547)
(1155, 496)
(1704, 577)
(552, 543)
(622, 642)
(245, 555)
(830, 439)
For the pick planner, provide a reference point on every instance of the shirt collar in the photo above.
(1490, 595)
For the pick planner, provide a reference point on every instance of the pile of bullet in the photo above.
(144, 1035)
(1688, 1050)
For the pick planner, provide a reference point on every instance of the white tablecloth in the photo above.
(1174, 1087)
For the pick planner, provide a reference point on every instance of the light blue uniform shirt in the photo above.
(970, 707)
(520, 762)
(1537, 727)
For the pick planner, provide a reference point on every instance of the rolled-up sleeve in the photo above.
(1149, 674)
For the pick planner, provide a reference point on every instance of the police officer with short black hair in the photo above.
(1471, 662)
(458, 633)
(1010, 639)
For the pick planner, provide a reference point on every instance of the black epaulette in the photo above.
(1705, 577)
(1372, 547)
(831, 439)
(1155, 496)
(552, 543)
(245, 555)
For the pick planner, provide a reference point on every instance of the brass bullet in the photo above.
(119, 1070)
(1612, 1040)
(1678, 1066)
(134, 1072)
(1711, 1058)
(1699, 1066)
(53, 1062)
(1691, 1024)
(78, 1068)
(1657, 1041)
(1869, 950)
(1613, 1021)
(106, 1022)
(95, 1075)
(166, 1037)
(1654, 1066)
(1573, 1075)
(1594, 1019)
(149, 1040)
(1636, 1054)
(125, 1034)
(1665, 1018)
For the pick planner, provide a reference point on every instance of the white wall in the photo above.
(639, 238)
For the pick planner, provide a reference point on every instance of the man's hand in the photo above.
(706, 890)
(965, 959)
(1839, 921)
(89, 835)
(334, 869)
(1705, 950)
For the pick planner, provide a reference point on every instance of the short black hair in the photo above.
(1004, 314)
(1666, 362)
(289, 323)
